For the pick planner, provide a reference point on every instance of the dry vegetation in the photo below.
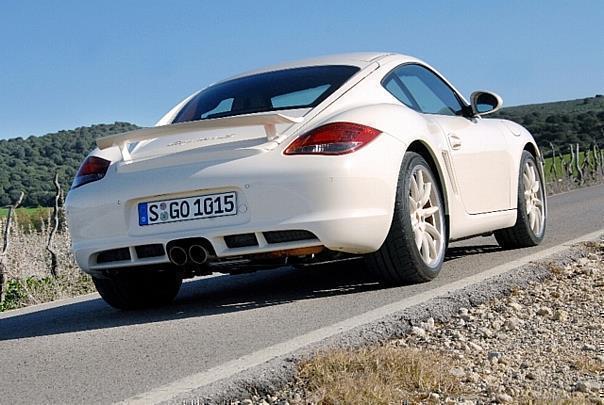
(28, 278)
(380, 375)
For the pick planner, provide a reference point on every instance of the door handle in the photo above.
(455, 142)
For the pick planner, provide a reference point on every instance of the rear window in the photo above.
(284, 89)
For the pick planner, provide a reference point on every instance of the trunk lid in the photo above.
(198, 141)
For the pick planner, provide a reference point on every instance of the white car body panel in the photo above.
(479, 143)
(347, 201)
(333, 207)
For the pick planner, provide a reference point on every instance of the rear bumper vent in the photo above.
(154, 250)
(123, 254)
(113, 255)
(288, 236)
(241, 240)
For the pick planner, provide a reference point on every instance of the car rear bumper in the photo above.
(345, 201)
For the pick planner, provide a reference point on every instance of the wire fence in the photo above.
(576, 168)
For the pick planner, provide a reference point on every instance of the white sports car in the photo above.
(368, 155)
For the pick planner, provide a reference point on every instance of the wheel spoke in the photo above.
(527, 181)
(531, 215)
(539, 212)
(414, 189)
(420, 180)
(425, 251)
(428, 212)
(432, 245)
(536, 187)
(537, 227)
(531, 171)
(432, 231)
(412, 205)
(418, 238)
(426, 194)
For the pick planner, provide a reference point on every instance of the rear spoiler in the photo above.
(268, 121)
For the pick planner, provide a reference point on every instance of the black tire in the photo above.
(521, 234)
(399, 260)
(138, 290)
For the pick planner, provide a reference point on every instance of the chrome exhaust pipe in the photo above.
(178, 256)
(198, 254)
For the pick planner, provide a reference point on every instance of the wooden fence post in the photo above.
(54, 263)
(593, 158)
(553, 169)
(599, 160)
(578, 166)
(571, 164)
(6, 242)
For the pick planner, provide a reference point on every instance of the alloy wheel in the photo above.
(533, 197)
(426, 216)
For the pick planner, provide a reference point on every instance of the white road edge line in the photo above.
(48, 305)
(230, 368)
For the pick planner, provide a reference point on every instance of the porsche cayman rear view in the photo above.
(373, 157)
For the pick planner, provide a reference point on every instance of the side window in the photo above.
(432, 95)
(393, 87)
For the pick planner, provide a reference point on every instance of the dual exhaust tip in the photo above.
(195, 254)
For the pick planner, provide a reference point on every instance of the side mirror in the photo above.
(485, 102)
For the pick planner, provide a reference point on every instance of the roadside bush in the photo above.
(28, 279)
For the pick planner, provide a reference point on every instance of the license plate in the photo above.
(185, 209)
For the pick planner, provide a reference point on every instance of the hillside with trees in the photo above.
(561, 123)
(29, 164)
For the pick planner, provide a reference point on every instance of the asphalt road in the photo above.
(83, 350)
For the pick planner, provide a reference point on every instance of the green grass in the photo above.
(29, 216)
(549, 162)
(32, 212)
(23, 292)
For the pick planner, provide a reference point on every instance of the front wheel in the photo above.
(414, 249)
(138, 290)
(529, 229)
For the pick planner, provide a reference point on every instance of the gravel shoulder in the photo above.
(541, 343)
(533, 335)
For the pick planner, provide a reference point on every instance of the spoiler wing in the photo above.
(268, 121)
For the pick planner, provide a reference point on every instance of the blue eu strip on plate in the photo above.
(142, 214)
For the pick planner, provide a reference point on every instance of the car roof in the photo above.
(359, 59)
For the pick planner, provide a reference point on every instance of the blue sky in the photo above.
(67, 63)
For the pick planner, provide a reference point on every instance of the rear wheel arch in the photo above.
(422, 149)
(404, 258)
(532, 149)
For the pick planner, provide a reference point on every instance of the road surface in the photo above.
(83, 350)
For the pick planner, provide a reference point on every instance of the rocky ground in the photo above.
(540, 344)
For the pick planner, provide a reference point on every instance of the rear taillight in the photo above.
(92, 169)
(337, 138)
